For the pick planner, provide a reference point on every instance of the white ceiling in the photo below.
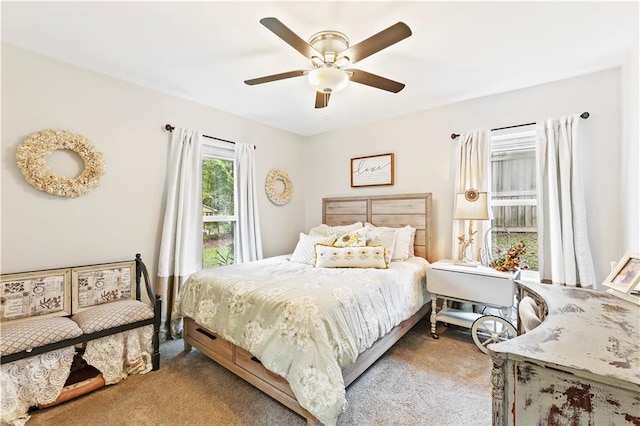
(203, 51)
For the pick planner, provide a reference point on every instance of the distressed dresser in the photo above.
(580, 366)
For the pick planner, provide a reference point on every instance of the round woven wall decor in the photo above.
(271, 187)
(471, 195)
(31, 158)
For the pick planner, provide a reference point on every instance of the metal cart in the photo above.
(479, 286)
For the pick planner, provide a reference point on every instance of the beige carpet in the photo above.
(420, 381)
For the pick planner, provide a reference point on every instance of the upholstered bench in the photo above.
(112, 315)
(47, 316)
(24, 336)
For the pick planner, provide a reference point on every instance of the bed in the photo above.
(318, 327)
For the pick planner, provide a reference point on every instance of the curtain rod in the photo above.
(170, 128)
(584, 116)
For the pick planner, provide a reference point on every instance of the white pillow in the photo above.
(382, 237)
(326, 230)
(304, 252)
(350, 257)
(413, 241)
(404, 239)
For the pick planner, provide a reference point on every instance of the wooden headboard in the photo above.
(384, 210)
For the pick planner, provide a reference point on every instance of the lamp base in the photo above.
(463, 258)
(465, 262)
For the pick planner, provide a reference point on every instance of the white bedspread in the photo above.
(305, 323)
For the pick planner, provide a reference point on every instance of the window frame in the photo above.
(529, 134)
(220, 151)
(514, 144)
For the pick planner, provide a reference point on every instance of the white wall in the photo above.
(123, 216)
(630, 160)
(125, 122)
(424, 150)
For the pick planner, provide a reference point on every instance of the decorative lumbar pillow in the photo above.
(351, 239)
(350, 257)
(303, 252)
(326, 230)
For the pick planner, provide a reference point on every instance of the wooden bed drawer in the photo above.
(250, 363)
(209, 339)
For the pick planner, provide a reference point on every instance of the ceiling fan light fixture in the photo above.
(342, 62)
(328, 79)
(331, 57)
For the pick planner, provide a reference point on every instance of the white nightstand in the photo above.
(478, 285)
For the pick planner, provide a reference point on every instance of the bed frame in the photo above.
(386, 210)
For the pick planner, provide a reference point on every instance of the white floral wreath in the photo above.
(32, 154)
(279, 198)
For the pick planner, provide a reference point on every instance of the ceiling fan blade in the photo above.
(377, 42)
(322, 99)
(289, 37)
(275, 77)
(376, 81)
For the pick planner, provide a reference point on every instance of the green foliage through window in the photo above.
(217, 186)
(218, 212)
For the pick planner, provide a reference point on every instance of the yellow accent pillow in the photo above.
(326, 230)
(351, 239)
(350, 257)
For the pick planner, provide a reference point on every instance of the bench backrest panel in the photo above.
(40, 293)
(98, 284)
(63, 292)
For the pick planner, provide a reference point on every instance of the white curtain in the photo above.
(563, 245)
(248, 243)
(181, 241)
(473, 171)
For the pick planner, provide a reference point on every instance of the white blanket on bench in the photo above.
(122, 354)
(33, 381)
(39, 380)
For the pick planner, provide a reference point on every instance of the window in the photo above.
(218, 213)
(514, 191)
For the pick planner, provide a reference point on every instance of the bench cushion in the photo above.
(24, 335)
(113, 314)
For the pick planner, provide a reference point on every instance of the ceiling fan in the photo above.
(330, 55)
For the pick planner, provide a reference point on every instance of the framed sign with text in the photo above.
(374, 170)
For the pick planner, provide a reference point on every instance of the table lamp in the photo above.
(470, 205)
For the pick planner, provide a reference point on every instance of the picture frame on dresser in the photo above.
(624, 279)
